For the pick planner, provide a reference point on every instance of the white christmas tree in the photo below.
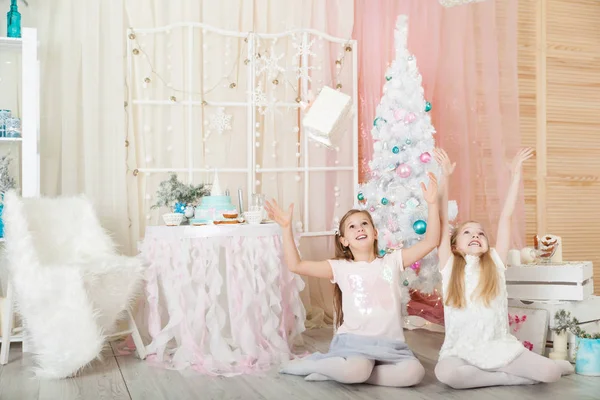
(403, 154)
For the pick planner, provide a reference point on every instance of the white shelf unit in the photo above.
(27, 48)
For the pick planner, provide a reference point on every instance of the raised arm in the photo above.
(503, 236)
(444, 248)
(432, 235)
(318, 269)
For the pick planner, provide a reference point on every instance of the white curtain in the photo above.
(81, 106)
(85, 125)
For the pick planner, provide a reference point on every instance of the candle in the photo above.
(514, 257)
(241, 201)
(557, 256)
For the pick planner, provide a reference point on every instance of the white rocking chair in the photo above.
(66, 281)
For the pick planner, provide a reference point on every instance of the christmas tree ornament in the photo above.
(378, 121)
(403, 170)
(384, 201)
(425, 157)
(420, 227)
(410, 118)
(360, 197)
(416, 265)
(427, 106)
(395, 150)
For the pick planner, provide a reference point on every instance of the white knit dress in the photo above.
(479, 334)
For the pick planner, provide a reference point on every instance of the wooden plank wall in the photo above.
(559, 91)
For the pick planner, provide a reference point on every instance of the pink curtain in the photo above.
(467, 56)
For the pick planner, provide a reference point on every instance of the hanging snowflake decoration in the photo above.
(270, 64)
(259, 97)
(261, 101)
(220, 121)
(303, 72)
(302, 48)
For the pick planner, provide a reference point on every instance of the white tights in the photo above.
(527, 369)
(358, 370)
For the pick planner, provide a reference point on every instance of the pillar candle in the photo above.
(241, 201)
(557, 257)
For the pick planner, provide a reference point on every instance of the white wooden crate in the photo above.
(566, 281)
(586, 311)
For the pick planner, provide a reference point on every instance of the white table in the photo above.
(219, 299)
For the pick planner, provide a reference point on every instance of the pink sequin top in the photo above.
(371, 296)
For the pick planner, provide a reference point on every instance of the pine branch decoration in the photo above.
(173, 191)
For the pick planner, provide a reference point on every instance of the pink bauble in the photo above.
(372, 209)
(425, 157)
(403, 170)
(402, 205)
(399, 114)
(410, 118)
(416, 265)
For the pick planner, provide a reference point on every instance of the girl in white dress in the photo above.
(369, 343)
(478, 349)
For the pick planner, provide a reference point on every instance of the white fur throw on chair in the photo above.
(70, 284)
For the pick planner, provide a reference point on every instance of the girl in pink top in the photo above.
(369, 343)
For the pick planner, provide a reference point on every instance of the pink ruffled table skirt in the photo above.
(220, 298)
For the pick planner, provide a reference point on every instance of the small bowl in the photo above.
(173, 219)
(253, 217)
(230, 215)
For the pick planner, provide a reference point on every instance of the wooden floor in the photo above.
(126, 377)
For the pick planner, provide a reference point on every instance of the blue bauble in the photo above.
(382, 252)
(420, 226)
(427, 106)
(395, 150)
(384, 201)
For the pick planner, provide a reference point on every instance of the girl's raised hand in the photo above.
(284, 219)
(517, 162)
(430, 192)
(443, 160)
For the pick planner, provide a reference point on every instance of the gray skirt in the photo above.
(379, 349)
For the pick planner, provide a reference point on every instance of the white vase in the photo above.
(559, 346)
(189, 212)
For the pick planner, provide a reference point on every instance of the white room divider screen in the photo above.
(202, 99)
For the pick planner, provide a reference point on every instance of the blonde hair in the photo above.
(488, 286)
(344, 253)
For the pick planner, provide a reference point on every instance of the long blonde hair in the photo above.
(488, 286)
(344, 253)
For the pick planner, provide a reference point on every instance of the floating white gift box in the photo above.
(326, 115)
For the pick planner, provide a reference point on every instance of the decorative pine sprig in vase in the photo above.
(172, 191)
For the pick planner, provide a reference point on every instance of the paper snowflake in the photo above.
(303, 48)
(270, 64)
(303, 72)
(259, 97)
(220, 121)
